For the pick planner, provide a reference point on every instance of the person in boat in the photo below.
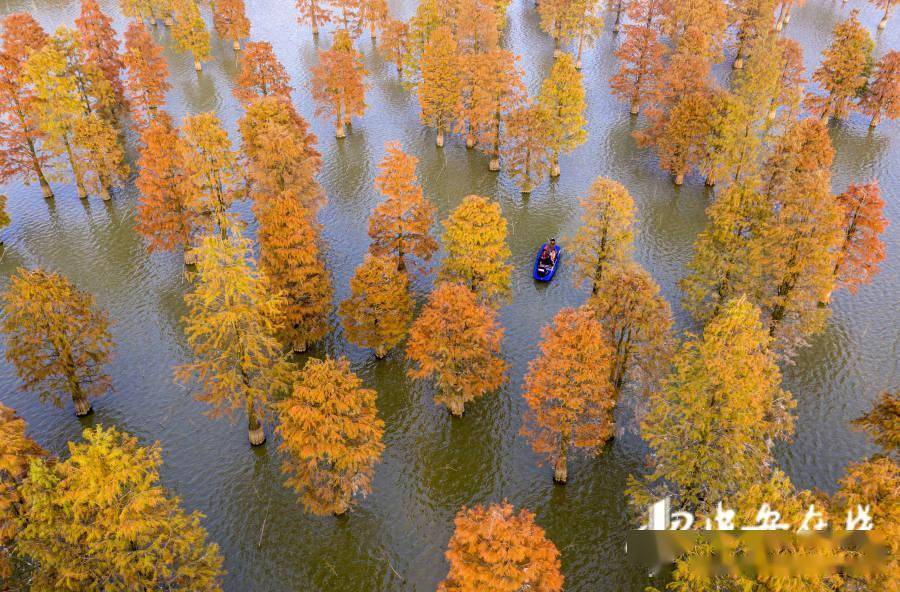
(548, 255)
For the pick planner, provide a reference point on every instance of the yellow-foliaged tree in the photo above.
(605, 235)
(237, 362)
(56, 338)
(190, 32)
(562, 97)
(331, 435)
(712, 423)
(568, 390)
(637, 321)
(400, 226)
(379, 311)
(476, 250)
(441, 84)
(17, 451)
(101, 520)
(209, 165)
(455, 342)
(496, 549)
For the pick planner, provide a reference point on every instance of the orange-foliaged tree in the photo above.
(331, 436)
(280, 152)
(146, 81)
(210, 168)
(290, 255)
(861, 249)
(477, 226)
(568, 390)
(752, 20)
(231, 22)
(605, 236)
(640, 58)
(474, 23)
(348, 16)
(492, 89)
(314, 12)
(800, 237)
(882, 95)
(525, 149)
(338, 83)
(400, 226)
(17, 451)
(20, 136)
(637, 321)
(163, 217)
(379, 311)
(496, 549)
(844, 70)
(708, 17)
(395, 43)
(440, 86)
(261, 74)
(101, 46)
(56, 338)
(374, 13)
(681, 141)
(230, 327)
(455, 343)
(190, 32)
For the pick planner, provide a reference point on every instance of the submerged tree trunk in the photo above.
(255, 430)
(76, 172)
(560, 470)
(456, 405)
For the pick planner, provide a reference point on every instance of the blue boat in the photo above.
(543, 274)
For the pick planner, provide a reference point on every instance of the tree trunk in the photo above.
(560, 470)
(618, 17)
(340, 130)
(168, 20)
(875, 119)
(884, 19)
(635, 104)
(255, 429)
(456, 406)
(440, 138)
(198, 66)
(372, 30)
(679, 179)
(299, 346)
(104, 192)
(341, 506)
(554, 164)
(82, 405)
(35, 161)
(580, 48)
(236, 45)
(76, 172)
(380, 351)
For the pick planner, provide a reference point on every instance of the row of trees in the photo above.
(188, 27)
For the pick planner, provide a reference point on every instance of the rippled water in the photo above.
(396, 537)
